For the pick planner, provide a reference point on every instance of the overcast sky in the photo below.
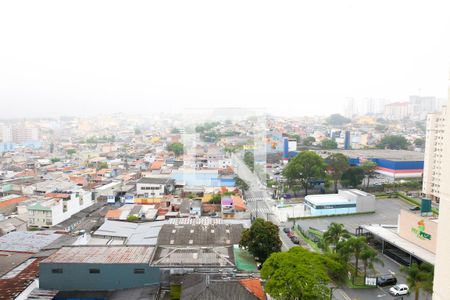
(293, 57)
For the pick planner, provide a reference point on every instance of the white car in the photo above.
(399, 290)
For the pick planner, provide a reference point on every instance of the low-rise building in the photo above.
(154, 186)
(57, 208)
(345, 202)
(98, 268)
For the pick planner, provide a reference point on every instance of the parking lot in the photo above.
(387, 211)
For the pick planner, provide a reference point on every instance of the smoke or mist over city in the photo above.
(296, 58)
(285, 150)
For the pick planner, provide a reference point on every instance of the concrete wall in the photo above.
(409, 229)
(76, 276)
(365, 202)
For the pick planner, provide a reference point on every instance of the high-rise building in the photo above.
(433, 157)
(19, 134)
(441, 286)
(396, 111)
(421, 106)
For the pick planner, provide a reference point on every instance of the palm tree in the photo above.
(419, 277)
(354, 246)
(334, 234)
(369, 256)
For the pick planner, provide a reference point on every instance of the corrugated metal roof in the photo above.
(102, 255)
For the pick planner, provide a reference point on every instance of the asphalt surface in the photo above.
(257, 197)
(387, 211)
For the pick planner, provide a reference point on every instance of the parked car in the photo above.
(286, 229)
(295, 240)
(386, 280)
(290, 234)
(414, 208)
(399, 290)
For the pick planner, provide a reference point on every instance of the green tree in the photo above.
(241, 184)
(337, 165)
(71, 152)
(328, 144)
(334, 234)
(369, 168)
(304, 167)
(352, 177)
(337, 119)
(299, 274)
(176, 148)
(308, 141)
(215, 199)
(249, 160)
(353, 246)
(133, 218)
(261, 239)
(55, 159)
(368, 257)
(419, 277)
(394, 142)
(102, 165)
(419, 143)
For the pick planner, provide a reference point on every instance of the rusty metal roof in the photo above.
(102, 255)
(12, 287)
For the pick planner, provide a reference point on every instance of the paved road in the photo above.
(258, 197)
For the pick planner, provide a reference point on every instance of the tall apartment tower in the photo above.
(433, 158)
(441, 286)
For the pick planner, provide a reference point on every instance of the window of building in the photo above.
(57, 271)
(94, 271)
(139, 271)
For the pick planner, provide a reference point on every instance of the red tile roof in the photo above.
(113, 214)
(253, 285)
(13, 201)
(156, 165)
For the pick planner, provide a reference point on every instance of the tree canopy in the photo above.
(352, 177)
(394, 142)
(368, 168)
(304, 167)
(176, 148)
(337, 119)
(241, 184)
(337, 165)
(328, 144)
(334, 234)
(419, 277)
(299, 274)
(308, 141)
(249, 160)
(261, 239)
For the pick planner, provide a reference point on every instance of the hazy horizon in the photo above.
(92, 57)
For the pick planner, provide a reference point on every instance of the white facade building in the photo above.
(433, 157)
(154, 186)
(441, 288)
(53, 211)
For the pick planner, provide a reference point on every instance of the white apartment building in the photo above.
(441, 287)
(154, 186)
(53, 211)
(433, 157)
